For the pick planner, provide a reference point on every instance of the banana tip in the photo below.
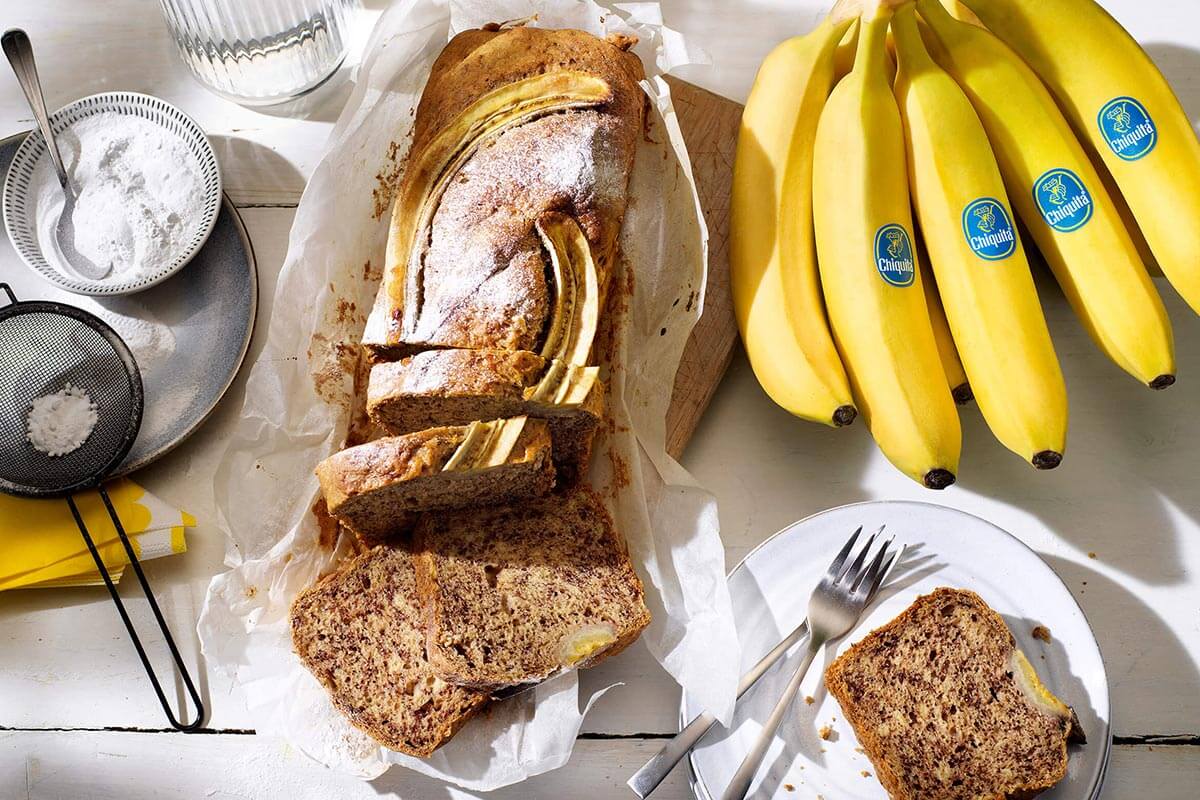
(962, 394)
(938, 478)
(844, 416)
(1047, 459)
(1162, 381)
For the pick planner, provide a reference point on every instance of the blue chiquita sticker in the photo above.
(1127, 127)
(1064, 201)
(894, 255)
(989, 229)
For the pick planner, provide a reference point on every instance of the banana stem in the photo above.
(910, 49)
(933, 12)
(871, 55)
(866, 9)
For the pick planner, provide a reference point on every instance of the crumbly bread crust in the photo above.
(515, 595)
(376, 488)
(455, 387)
(484, 269)
(359, 632)
(935, 701)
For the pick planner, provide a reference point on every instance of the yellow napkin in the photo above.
(40, 544)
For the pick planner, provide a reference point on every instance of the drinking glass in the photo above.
(260, 52)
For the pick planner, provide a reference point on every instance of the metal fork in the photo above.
(647, 779)
(833, 609)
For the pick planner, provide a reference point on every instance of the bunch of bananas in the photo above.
(1040, 112)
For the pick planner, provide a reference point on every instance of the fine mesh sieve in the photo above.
(43, 347)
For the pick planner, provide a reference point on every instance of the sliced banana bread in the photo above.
(359, 632)
(515, 595)
(947, 707)
(454, 387)
(377, 487)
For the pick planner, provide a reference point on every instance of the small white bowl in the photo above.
(19, 204)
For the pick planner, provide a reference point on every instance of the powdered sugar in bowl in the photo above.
(149, 191)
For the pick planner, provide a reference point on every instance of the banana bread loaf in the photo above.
(465, 265)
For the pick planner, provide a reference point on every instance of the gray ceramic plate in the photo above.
(189, 333)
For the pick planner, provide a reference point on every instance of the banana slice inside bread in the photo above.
(515, 595)
(359, 632)
(947, 707)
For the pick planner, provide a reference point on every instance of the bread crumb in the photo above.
(860, 750)
(787, 787)
(808, 699)
(1043, 633)
(1091, 554)
(825, 732)
(866, 774)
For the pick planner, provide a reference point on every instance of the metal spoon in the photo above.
(20, 56)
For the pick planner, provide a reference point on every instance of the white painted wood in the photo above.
(55, 765)
(1127, 491)
(133, 766)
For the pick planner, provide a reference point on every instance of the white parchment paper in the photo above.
(298, 399)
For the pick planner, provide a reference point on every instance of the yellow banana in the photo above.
(956, 376)
(1122, 107)
(869, 272)
(1060, 198)
(776, 295)
(981, 271)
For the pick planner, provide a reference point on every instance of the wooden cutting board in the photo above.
(710, 126)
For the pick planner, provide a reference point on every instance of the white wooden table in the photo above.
(1119, 521)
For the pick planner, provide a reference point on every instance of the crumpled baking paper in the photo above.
(299, 392)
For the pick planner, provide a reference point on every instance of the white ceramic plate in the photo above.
(770, 591)
(19, 203)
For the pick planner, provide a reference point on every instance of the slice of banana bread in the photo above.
(947, 707)
(358, 631)
(455, 387)
(377, 487)
(515, 595)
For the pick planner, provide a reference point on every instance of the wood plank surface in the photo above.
(110, 765)
(710, 125)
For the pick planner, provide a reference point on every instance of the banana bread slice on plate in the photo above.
(377, 487)
(515, 595)
(455, 387)
(947, 707)
(358, 631)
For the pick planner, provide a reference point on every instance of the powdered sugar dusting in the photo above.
(59, 423)
(483, 247)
